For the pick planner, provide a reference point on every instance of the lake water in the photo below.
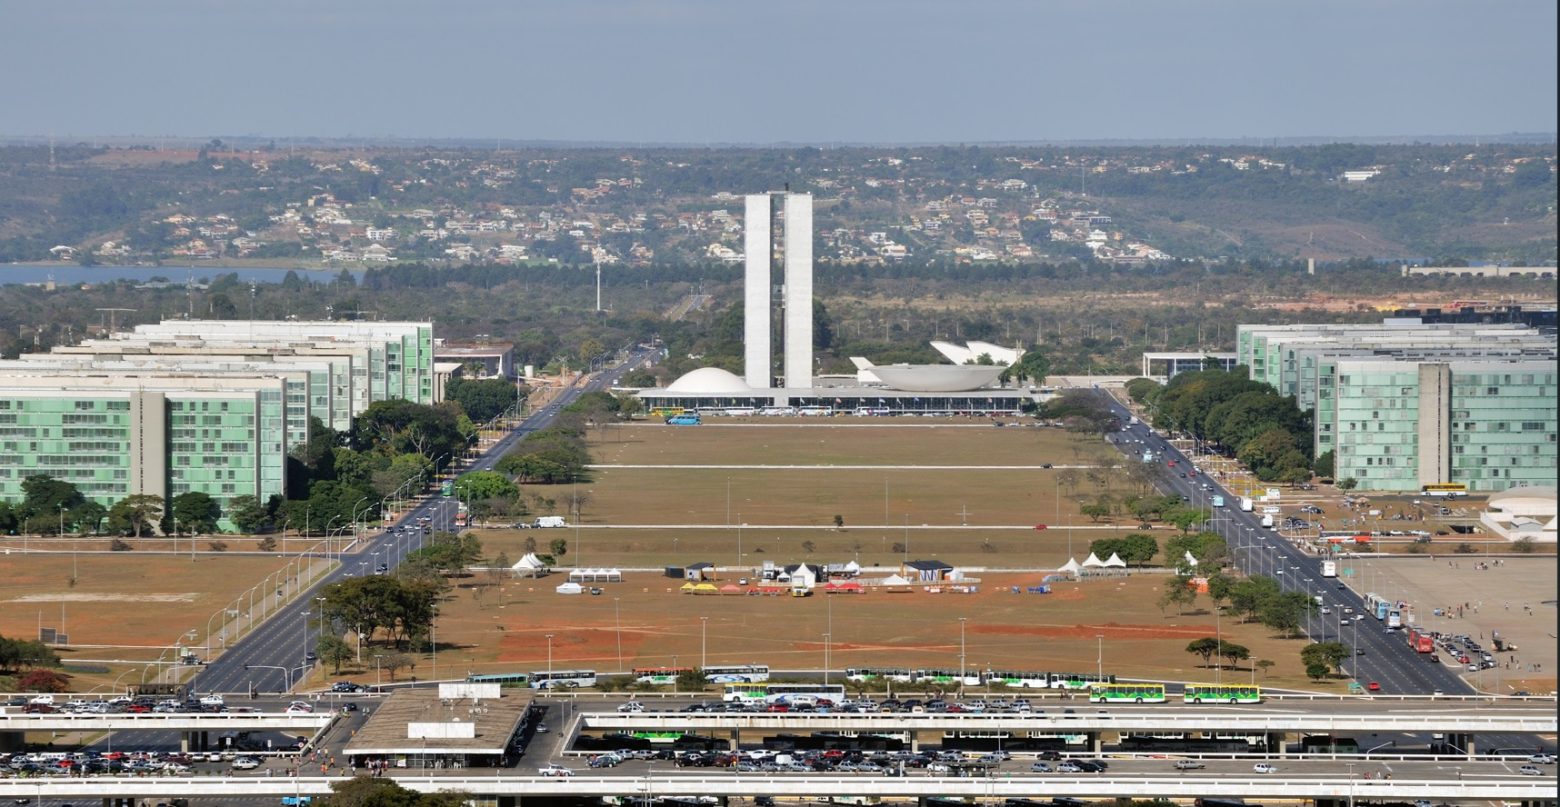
(70, 274)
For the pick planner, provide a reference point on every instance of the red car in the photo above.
(1373, 686)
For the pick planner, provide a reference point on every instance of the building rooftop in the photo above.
(388, 730)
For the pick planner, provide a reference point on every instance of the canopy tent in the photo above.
(731, 588)
(596, 576)
(569, 588)
(686, 588)
(705, 588)
(848, 586)
(1093, 561)
(1070, 567)
(1115, 560)
(529, 566)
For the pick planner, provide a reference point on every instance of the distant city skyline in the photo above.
(806, 71)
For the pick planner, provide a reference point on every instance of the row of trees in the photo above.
(1264, 430)
(54, 507)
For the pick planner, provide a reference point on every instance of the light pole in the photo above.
(1099, 657)
(377, 657)
(549, 659)
(962, 620)
(304, 655)
(704, 625)
(1351, 783)
(617, 618)
(826, 642)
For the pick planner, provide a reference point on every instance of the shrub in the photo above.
(118, 545)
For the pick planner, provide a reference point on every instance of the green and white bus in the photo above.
(1222, 693)
(1127, 693)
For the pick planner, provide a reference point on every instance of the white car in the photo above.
(1188, 765)
(1530, 770)
(631, 706)
(245, 764)
(1263, 767)
(1542, 759)
(554, 770)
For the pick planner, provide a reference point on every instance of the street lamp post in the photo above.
(827, 640)
(962, 621)
(549, 659)
(1099, 656)
(377, 657)
(704, 625)
(617, 618)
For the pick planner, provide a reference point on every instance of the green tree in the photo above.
(1264, 665)
(1323, 467)
(1327, 655)
(558, 547)
(366, 791)
(1233, 653)
(481, 485)
(1206, 647)
(1349, 483)
(483, 399)
(1095, 511)
(1178, 591)
(247, 514)
(196, 512)
(87, 516)
(43, 497)
(333, 650)
(135, 514)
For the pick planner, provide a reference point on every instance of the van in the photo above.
(550, 521)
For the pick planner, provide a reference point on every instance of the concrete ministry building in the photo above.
(1404, 404)
(213, 407)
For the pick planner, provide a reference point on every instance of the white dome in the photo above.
(710, 380)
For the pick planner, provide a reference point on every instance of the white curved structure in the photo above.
(937, 377)
(972, 351)
(710, 380)
(1519, 513)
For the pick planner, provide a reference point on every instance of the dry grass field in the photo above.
(123, 606)
(656, 626)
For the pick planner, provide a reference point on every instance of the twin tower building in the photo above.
(788, 215)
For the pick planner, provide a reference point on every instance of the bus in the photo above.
(1079, 680)
(685, 419)
(1445, 490)
(736, 673)
(502, 679)
(659, 676)
(1127, 693)
(447, 488)
(783, 693)
(901, 676)
(1221, 693)
(563, 679)
(665, 411)
(1329, 568)
(1015, 678)
(946, 677)
(462, 518)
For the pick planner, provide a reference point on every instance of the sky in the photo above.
(778, 71)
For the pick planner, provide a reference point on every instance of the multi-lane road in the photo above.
(1386, 658)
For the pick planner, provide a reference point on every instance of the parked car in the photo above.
(245, 764)
(1040, 767)
(1542, 759)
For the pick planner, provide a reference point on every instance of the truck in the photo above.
(1216, 500)
(1267, 521)
(1329, 568)
(1245, 504)
(549, 521)
(1420, 641)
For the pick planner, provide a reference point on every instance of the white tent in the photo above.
(1093, 561)
(569, 588)
(894, 580)
(530, 561)
(1115, 560)
(596, 576)
(1071, 567)
(1190, 561)
(803, 578)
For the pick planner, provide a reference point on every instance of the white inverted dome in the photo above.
(710, 380)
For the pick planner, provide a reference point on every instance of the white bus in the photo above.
(563, 679)
(901, 676)
(750, 673)
(783, 693)
(1329, 568)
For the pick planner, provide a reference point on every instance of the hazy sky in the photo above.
(767, 71)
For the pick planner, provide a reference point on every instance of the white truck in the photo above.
(1245, 504)
(550, 521)
(1267, 522)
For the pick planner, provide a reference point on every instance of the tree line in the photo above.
(1237, 416)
